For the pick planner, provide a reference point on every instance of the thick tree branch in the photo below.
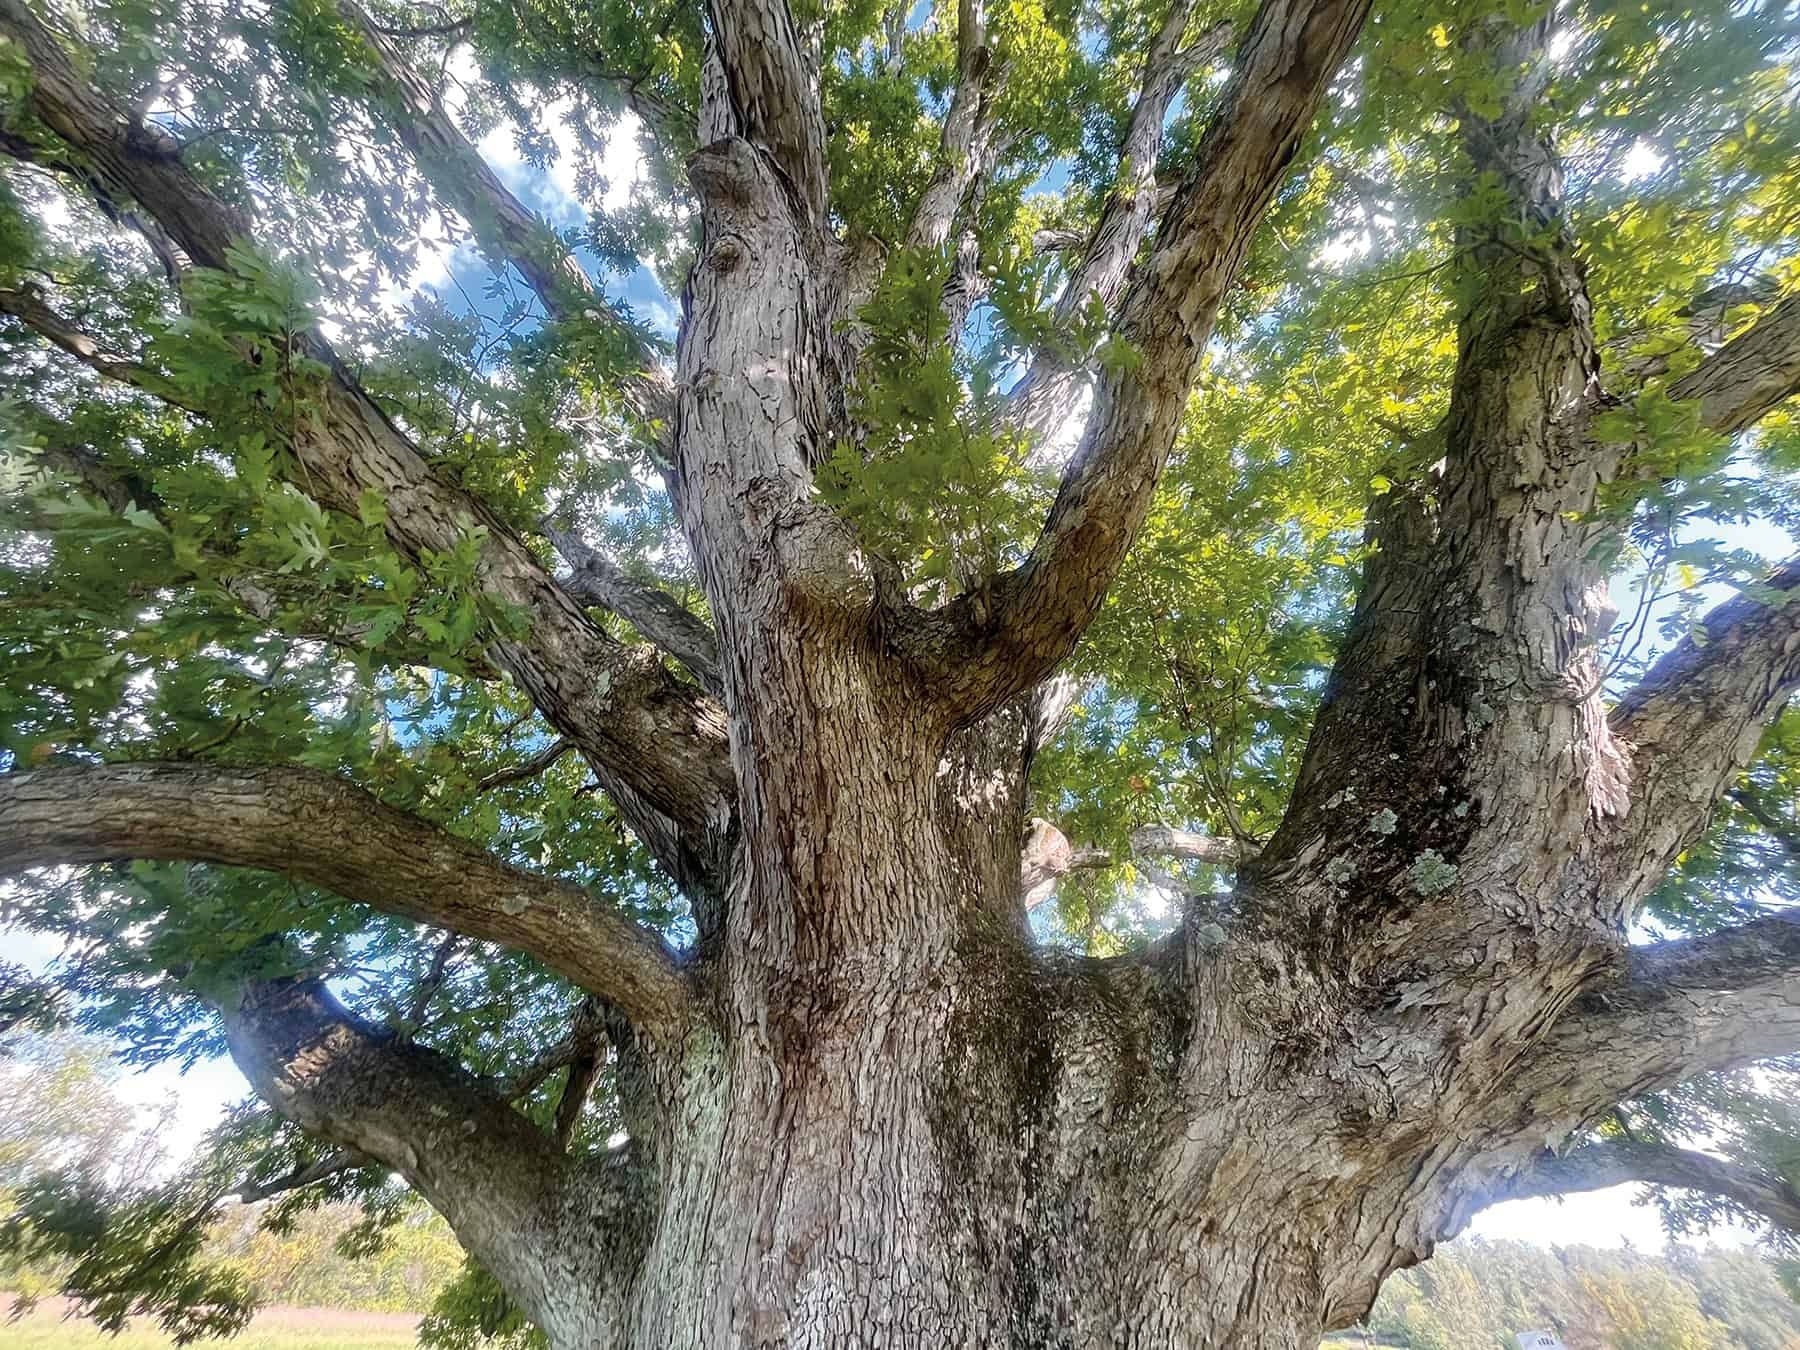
(496, 1178)
(1694, 721)
(321, 830)
(659, 736)
(967, 146)
(1475, 639)
(1616, 1162)
(1045, 395)
(773, 83)
(1681, 1008)
(989, 646)
(1749, 375)
(124, 157)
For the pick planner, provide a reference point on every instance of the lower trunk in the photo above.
(897, 1225)
(899, 1125)
(984, 1152)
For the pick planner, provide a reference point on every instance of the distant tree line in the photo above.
(326, 1259)
(1473, 1295)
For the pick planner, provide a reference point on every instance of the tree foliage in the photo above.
(1473, 1295)
(186, 577)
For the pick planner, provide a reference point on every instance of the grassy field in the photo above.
(274, 1329)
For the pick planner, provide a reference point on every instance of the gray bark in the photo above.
(865, 1111)
(319, 829)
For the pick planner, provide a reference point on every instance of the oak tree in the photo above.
(1050, 763)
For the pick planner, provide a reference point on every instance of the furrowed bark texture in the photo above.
(866, 1112)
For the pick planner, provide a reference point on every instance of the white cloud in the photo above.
(553, 191)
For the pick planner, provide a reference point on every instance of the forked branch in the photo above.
(991, 645)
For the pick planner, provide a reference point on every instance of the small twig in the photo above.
(429, 986)
(343, 1160)
(529, 768)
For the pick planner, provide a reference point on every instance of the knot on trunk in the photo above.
(728, 173)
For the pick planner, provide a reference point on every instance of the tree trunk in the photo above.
(934, 1136)
(865, 1111)
(899, 1124)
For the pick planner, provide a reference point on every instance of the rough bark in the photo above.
(967, 146)
(1681, 1008)
(864, 1111)
(319, 829)
(1755, 371)
(1699, 712)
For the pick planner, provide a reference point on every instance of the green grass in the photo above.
(273, 1329)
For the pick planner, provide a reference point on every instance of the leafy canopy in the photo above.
(169, 588)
